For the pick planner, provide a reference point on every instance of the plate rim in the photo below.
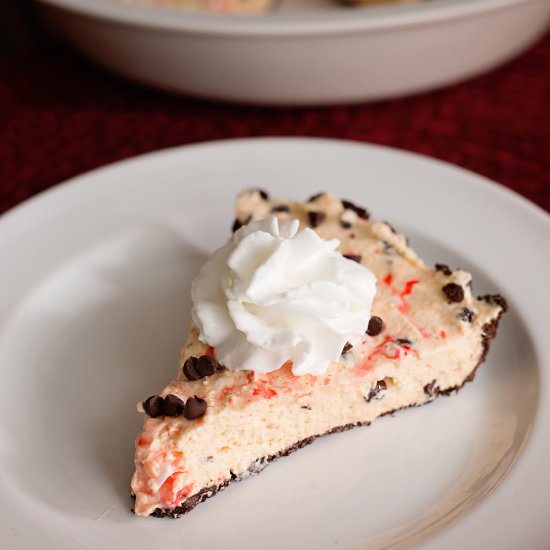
(481, 180)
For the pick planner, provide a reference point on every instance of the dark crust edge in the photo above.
(489, 331)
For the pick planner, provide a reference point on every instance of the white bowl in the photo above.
(314, 54)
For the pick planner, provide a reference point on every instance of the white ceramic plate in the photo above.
(311, 52)
(95, 305)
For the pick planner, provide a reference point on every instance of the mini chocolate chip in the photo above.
(392, 228)
(316, 218)
(206, 366)
(194, 408)
(263, 194)
(347, 347)
(354, 257)
(431, 389)
(307, 407)
(361, 212)
(444, 268)
(466, 315)
(154, 406)
(190, 368)
(280, 208)
(345, 224)
(376, 326)
(237, 224)
(173, 405)
(313, 198)
(403, 342)
(454, 292)
(378, 387)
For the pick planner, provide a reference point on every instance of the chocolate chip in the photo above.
(466, 315)
(431, 389)
(403, 342)
(194, 408)
(190, 368)
(345, 224)
(454, 292)
(263, 194)
(196, 368)
(392, 228)
(237, 224)
(376, 326)
(206, 366)
(280, 208)
(444, 268)
(154, 406)
(354, 257)
(347, 347)
(307, 407)
(173, 405)
(378, 387)
(361, 212)
(316, 218)
(313, 198)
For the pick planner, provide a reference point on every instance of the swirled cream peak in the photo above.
(275, 294)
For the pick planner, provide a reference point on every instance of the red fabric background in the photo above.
(61, 116)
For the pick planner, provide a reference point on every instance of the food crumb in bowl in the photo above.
(250, 7)
(214, 6)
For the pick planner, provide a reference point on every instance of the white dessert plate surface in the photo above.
(95, 304)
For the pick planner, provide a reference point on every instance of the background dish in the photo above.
(96, 292)
(318, 54)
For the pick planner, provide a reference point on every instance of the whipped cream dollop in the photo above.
(273, 294)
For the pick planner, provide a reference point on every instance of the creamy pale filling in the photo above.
(427, 342)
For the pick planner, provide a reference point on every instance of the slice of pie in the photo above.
(425, 335)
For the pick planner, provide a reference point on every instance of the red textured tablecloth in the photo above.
(61, 116)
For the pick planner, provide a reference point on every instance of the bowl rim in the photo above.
(360, 19)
